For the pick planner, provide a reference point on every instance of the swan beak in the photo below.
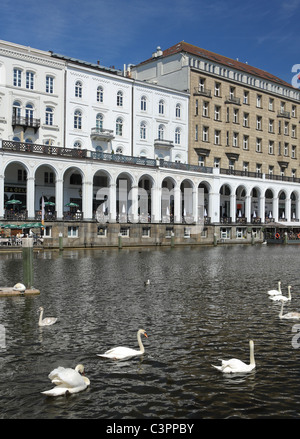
(145, 334)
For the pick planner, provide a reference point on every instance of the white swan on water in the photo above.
(67, 381)
(290, 315)
(234, 365)
(275, 292)
(47, 321)
(281, 297)
(123, 353)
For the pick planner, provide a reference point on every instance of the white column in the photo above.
(214, 207)
(1, 196)
(248, 208)
(233, 207)
(288, 209)
(134, 203)
(177, 205)
(262, 208)
(112, 208)
(87, 200)
(155, 204)
(59, 198)
(30, 197)
(275, 208)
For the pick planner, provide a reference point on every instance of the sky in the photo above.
(264, 33)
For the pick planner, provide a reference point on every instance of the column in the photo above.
(155, 204)
(133, 210)
(30, 197)
(262, 208)
(233, 207)
(275, 208)
(288, 209)
(87, 200)
(2, 196)
(248, 208)
(112, 208)
(59, 198)
(177, 205)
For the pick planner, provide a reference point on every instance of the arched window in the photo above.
(143, 130)
(177, 136)
(49, 116)
(161, 107)
(161, 132)
(99, 121)
(119, 150)
(143, 103)
(100, 94)
(17, 109)
(77, 120)
(78, 89)
(29, 111)
(178, 110)
(120, 99)
(77, 144)
(119, 126)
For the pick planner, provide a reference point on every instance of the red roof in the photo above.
(230, 63)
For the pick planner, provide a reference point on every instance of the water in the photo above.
(202, 304)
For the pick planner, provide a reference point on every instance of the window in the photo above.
(201, 160)
(17, 109)
(217, 89)
(217, 137)
(119, 126)
(78, 89)
(99, 94)
(271, 147)
(259, 123)
(271, 126)
(177, 136)
(235, 139)
(245, 166)
(47, 231)
(246, 120)
(235, 115)
(271, 104)
(29, 80)
(196, 133)
(99, 121)
(231, 164)
(258, 168)
(161, 107)
(49, 84)
(17, 77)
(101, 231)
(246, 97)
(258, 145)
(77, 145)
(178, 111)
(271, 170)
(205, 134)
(146, 232)
(29, 111)
(143, 103)
(196, 107)
(294, 109)
(49, 116)
(187, 232)
(217, 162)
(120, 99)
(124, 232)
(161, 132)
(231, 92)
(72, 232)
(286, 128)
(48, 177)
(241, 232)
(258, 101)
(78, 120)
(293, 152)
(22, 175)
(225, 233)
(217, 112)
(246, 142)
(201, 84)
(294, 131)
(143, 130)
(286, 149)
(205, 109)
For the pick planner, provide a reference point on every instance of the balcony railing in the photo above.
(102, 134)
(26, 122)
(232, 100)
(283, 113)
(202, 91)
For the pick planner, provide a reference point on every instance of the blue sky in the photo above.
(263, 33)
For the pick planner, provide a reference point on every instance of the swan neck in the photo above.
(41, 316)
(252, 360)
(142, 349)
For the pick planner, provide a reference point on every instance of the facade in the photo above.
(98, 153)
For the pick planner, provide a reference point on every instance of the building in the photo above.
(97, 152)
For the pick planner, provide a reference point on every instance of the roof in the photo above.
(214, 57)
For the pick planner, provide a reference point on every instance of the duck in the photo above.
(282, 297)
(47, 321)
(275, 292)
(123, 353)
(147, 282)
(237, 366)
(290, 315)
(67, 380)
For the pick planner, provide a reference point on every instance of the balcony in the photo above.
(201, 91)
(161, 143)
(102, 134)
(283, 113)
(232, 100)
(26, 122)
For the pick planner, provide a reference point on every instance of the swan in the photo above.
(281, 297)
(147, 282)
(123, 353)
(289, 315)
(234, 365)
(47, 321)
(67, 381)
(275, 292)
(19, 287)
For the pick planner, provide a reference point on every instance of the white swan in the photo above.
(47, 321)
(289, 315)
(234, 365)
(67, 380)
(281, 297)
(275, 292)
(123, 353)
(147, 282)
(19, 287)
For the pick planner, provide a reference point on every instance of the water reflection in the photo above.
(202, 304)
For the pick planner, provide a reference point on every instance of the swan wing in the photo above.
(278, 298)
(273, 292)
(233, 366)
(120, 353)
(67, 377)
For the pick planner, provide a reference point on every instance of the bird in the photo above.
(234, 365)
(123, 353)
(47, 321)
(67, 381)
(19, 287)
(147, 282)
(282, 297)
(275, 292)
(290, 315)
